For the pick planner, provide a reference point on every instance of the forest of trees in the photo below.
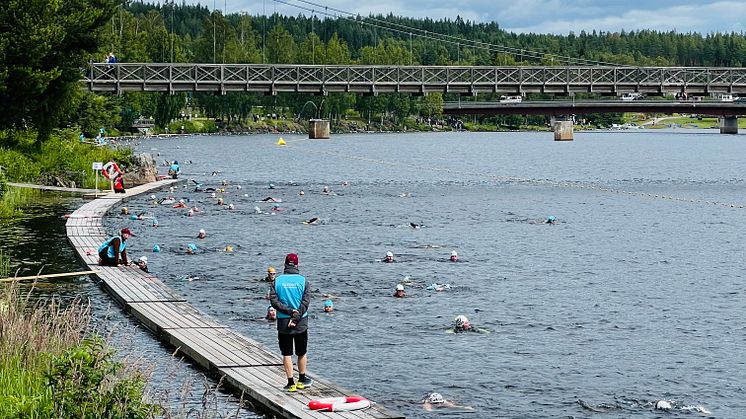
(173, 32)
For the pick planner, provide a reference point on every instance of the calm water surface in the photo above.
(629, 299)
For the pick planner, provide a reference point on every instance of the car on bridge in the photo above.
(511, 99)
(628, 97)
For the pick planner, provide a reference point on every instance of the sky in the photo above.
(536, 16)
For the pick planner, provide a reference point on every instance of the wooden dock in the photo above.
(57, 188)
(244, 363)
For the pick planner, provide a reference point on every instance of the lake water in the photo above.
(628, 299)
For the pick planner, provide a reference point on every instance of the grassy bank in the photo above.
(50, 366)
(62, 158)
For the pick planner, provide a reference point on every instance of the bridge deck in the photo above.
(243, 362)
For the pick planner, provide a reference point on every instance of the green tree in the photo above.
(280, 46)
(167, 108)
(44, 44)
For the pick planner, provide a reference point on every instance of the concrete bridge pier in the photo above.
(728, 124)
(318, 128)
(563, 130)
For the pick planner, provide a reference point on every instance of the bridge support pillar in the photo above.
(563, 130)
(728, 124)
(318, 128)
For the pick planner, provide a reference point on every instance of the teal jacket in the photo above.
(291, 291)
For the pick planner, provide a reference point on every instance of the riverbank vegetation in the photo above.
(51, 366)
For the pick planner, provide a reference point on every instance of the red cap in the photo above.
(127, 231)
(291, 259)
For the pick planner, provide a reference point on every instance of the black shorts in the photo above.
(286, 343)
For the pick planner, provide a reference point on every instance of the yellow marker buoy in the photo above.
(281, 141)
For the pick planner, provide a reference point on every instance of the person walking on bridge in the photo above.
(291, 296)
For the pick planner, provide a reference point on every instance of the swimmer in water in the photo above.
(415, 225)
(551, 220)
(301, 193)
(228, 249)
(271, 313)
(314, 220)
(231, 207)
(202, 234)
(220, 201)
(328, 306)
(436, 400)
(271, 199)
(125, 211)
(326, 190)
(399, 293)
(438, 287)
(271, 275)
(462, 324)
(142, 263)
(454, 256)
(191, 249)
(389, 257)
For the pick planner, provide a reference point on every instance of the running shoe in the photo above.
(307, 382)
(291, 388)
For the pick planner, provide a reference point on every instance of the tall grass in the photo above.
(49, 368)
(14, 199)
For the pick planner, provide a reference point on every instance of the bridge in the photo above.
(568, 107)
(271, 79)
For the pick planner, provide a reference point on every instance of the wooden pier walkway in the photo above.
(57, 188)
(244, 363)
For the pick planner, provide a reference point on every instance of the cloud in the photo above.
(537, 16)
(723, 16)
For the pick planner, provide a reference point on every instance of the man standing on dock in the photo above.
(290, 296)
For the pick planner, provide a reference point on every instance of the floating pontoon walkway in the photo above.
(56, 188)
(245, 364)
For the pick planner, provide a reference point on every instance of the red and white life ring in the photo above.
(339, 404)
(110, 170)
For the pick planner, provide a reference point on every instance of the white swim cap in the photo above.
(461, 320)
(389, 254)
(201, 231)
(144, 259)
(435, 398)
(399, 287)
(453, 253)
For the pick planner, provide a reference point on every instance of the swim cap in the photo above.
(399, 287)
(192, 247)
(389, 254)
(435, 398)
(271, 270)
(461, 320)
(453, 253)
(125, 210)
(144, 259)
(229, 248)
(328, 303)
(156, 248)
(202, 231)
(133, 217)
(551, 218)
